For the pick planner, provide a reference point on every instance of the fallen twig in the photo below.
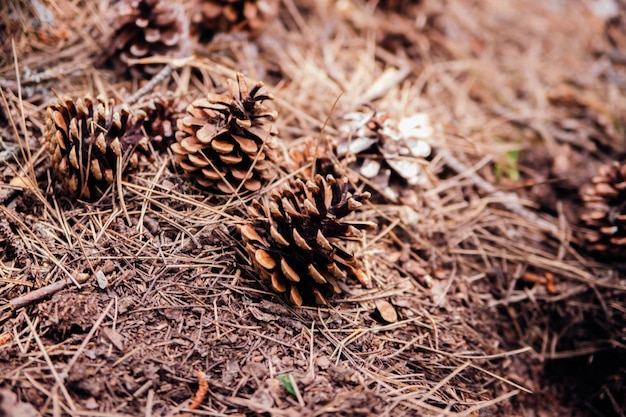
(159, 77)
(43, 292)
(203, 387)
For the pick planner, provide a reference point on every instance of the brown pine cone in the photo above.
(605, 212)
(227, 141)
(220, 16)
(162, 110)
(313, 156)
(89, 141)
(296, 239)
(145, 28)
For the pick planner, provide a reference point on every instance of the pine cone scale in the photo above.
(222, 146)
(278, 283)
(288, 271)
(211, 174)
(188, 146)
(198, 161)
(207, 133)
(248, 146)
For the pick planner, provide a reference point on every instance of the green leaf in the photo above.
(286, 381)
(512, 157)
(508, 167)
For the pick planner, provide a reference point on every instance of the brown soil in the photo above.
(501, 311)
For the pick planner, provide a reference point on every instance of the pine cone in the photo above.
(605, 212)
(294, 240)
(145, 28)
(252, 16)
(223, 142)
(89, 141)
(313, 153)
(383, 146)
(161, 112)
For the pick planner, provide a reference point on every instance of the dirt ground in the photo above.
(143, 303)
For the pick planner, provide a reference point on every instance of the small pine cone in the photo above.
(383, 146)
(88, 142)
(313, 153)
(295, 240)
(161, 112)
(605, 212)
(145, 28)
(224, 142)
(221, 16)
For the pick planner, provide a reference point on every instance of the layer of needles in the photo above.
(128, 305)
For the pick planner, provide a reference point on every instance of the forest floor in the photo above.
(501, 309)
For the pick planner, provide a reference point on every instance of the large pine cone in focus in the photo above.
(219, 16)
(145, 28)
(605, 212)
(296, 239)
(227, 141)
(89, 141)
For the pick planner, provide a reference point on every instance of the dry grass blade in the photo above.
(478, 256)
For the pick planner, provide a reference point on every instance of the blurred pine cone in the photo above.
(89, 141)
(296, 240)
(213, 16)
(145, 28)
(313, 156)
(605, 212)
(161, 112)
(382, 146)
(223, 141)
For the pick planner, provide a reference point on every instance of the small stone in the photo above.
(114, 337)
(387, 311)
(323, 362)
(91, 403)
(102, 280)
(408, 216)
